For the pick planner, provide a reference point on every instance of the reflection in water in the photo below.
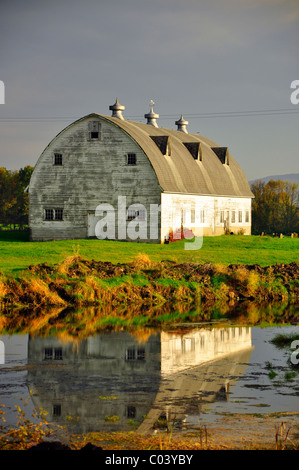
(109, 380)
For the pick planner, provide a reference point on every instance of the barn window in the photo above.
(233, 217)
(240, 216)
(53, 214)
(140, 354)
(247, 216)
(133, 214)
(49, 214)
(135, 354)
(131, 159)
(221, 217)
(141, 215)
(131, 411)
(48, 354)
(56, 410)
(58, 354)
(53, 353)
(94, 128)
(130, 354)
(58, 159)
(192, 215)
(202, 216)
(58, 214)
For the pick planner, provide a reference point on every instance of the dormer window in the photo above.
(94, 128)
(222, 154)
(195, 149)
(163, 144)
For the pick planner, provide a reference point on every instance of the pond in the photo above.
(118, 381)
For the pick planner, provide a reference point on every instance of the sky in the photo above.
(226, 65)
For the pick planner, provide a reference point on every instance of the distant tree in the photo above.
(275, 207)
(13, 198)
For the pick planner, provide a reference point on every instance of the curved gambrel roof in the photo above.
(171, 154)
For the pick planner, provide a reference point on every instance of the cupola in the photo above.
(117, 109)
(181, 123)
(152, 116)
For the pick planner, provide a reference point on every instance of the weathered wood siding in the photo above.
(93, 172)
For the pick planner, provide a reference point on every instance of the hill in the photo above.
(292, 178)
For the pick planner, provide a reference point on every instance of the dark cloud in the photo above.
(69, 58)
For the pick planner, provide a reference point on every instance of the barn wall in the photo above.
(93, 172)
(204, 215)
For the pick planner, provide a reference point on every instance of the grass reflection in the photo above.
(86, 321)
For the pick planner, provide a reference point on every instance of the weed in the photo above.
(111, 419)
(284, 340)
(26, 432)
(289, 376)
(282, 437)
(272, 374)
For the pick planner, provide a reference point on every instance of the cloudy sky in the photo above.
(226, 65)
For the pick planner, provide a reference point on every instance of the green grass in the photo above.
(17, 253)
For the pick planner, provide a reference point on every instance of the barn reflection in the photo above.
(111, 381)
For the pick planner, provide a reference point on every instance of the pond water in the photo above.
(120, 381)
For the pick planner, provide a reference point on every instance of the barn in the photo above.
(109, 177)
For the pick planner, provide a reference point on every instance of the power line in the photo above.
(220, 114)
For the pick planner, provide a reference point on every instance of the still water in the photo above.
(119, 381)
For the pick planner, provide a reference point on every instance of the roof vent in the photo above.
(181, 123)
(117, 109)
(151, 116)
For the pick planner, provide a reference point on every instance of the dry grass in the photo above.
(68, 263)
(142, 261)
(40, 292)
(220, 268)
(3, 289)
(78, 282)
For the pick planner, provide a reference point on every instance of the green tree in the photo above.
(275, 207)
(13, 198)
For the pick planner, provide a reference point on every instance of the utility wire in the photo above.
(220, 114)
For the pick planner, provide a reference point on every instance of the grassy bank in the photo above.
(17, 253)
(79, 282)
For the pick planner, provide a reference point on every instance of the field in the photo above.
(17, 253)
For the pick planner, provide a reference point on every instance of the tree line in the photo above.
(275, 207)
(14, 198)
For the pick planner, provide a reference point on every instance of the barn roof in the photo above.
(186, 163)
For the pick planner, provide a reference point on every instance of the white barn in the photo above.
(109, 177)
